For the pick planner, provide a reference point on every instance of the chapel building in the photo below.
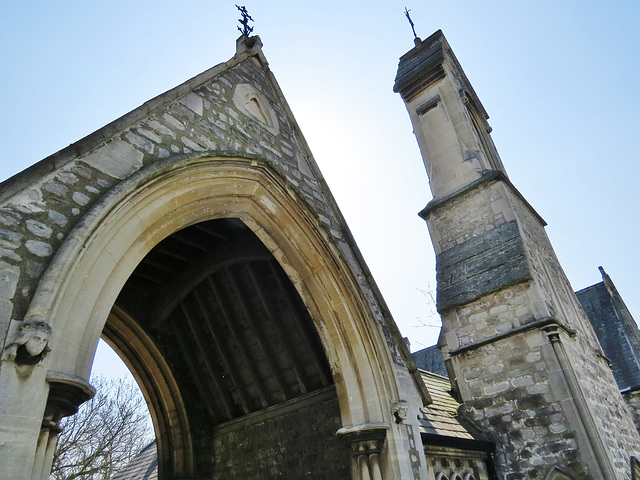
(198, 237)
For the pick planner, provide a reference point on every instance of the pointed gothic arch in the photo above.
(80, 286)
(159, 387)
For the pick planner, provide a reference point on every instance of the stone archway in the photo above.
(217, 332)
(82, 283)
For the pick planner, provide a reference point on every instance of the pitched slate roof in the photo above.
(441, 416)
(144, 466)
(431, 360)
(615, 328)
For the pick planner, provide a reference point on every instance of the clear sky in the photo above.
(559, 79)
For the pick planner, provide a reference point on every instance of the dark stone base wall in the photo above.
(293, 444)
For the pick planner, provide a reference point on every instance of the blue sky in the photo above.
(559, 80)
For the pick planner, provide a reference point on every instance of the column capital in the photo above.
(366, 438)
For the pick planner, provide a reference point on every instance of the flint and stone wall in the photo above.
(298, 443)
(525, 359)
(506, 370)
(205, 121)
(237, 112)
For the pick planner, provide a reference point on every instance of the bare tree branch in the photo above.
(105, 434)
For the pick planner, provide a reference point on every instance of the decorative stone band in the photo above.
(421, 66)
(366, 442)
(541, 324)
(486, 263)
(487, 176)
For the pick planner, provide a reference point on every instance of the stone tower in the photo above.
(519, 349)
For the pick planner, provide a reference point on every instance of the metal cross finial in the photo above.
(406, 12)
(244, 21)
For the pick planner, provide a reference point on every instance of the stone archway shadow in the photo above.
(79, 289)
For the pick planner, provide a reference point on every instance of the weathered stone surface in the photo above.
(117, 159)
(9, 275)
(39, 229)
(632, 398)
(484, 264)
(194, 102)
(39, 249)
(546, 398)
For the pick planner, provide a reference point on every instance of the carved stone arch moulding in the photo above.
(137, 350)
(81, 284)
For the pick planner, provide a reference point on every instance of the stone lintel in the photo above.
(484, 264)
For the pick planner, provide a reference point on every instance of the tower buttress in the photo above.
(521, 352)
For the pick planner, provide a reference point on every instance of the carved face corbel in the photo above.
(30, 342)
(400, 411)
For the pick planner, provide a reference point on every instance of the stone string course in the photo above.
(508, 392)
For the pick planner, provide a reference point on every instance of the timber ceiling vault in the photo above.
(227, 319)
